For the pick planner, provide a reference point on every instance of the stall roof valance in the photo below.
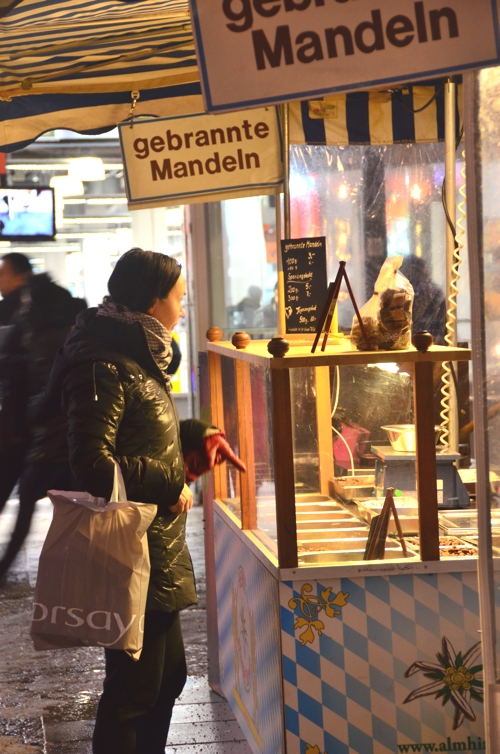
(409, 114)
(73, 64)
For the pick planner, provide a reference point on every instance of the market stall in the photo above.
(350, 654)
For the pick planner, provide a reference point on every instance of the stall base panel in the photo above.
(249, 641)
(363, 660)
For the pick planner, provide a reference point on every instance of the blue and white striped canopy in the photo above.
(74, 64)
(409, 114)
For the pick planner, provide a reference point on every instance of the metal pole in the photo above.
(285, 130)
(281, 275)
(450, 99)
(286, 166)
(485, 555)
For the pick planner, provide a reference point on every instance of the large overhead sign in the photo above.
(255, 52)
(201, 158)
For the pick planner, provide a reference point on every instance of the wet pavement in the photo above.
(48, 699)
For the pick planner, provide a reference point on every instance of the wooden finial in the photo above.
(214, 334)
(422, 340)
(278, 346)
(240, 340)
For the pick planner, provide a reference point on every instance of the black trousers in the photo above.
(134, 712)
(11, 466)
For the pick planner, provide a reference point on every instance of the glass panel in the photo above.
(305, 432)
(489, 128)
(250, 265)
(232, 475)
(375, 201)
(260, 380)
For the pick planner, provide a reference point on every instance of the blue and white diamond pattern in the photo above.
(345, 691)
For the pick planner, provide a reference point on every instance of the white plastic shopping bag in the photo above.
(93, 573)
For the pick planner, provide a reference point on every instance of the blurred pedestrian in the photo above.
(113, 370)
(15, 269)
(33, 447)
(429, 304)
(267, 316)
(247, 307)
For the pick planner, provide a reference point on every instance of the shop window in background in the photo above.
(176, 248)
(74, 274)
(250, 263)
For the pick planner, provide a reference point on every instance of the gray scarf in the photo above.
(157, 336)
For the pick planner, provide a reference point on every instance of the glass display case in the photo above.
(321, 435)
(310, 616)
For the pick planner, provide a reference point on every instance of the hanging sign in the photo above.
(200, 158)
(254, 52)
(305, 274)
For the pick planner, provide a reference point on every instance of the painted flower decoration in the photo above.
(313, 749)
(455, 678)
(310, 606)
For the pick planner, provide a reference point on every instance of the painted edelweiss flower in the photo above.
(455, 678)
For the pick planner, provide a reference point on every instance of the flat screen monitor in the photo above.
(27, 213)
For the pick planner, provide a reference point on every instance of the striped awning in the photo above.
(406, 114)
(74, 64)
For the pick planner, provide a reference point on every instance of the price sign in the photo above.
(304, 268)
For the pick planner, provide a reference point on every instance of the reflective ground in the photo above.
(48, 699)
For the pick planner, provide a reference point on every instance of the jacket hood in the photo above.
(96, 338)
(49, 304)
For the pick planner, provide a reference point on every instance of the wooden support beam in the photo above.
(426, 461)
(324, 424)
(217, 417)
(246, 446)
(284, 475)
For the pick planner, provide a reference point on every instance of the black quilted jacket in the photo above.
(118, 406)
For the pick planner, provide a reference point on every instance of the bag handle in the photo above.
(118, 493)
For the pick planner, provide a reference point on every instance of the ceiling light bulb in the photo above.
(87, 169)
(66, 185)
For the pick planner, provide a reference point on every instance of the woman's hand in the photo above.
(184, 503)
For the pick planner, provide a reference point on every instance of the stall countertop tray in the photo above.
(458, 546)
(465, 522)
(349, 488)
(393, 551)
(409, 524)
(495, 542)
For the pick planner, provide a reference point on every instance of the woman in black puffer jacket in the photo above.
(117, 399)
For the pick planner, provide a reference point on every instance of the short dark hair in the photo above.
(140, 277)
(19, 263)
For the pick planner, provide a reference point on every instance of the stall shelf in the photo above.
(320, 651)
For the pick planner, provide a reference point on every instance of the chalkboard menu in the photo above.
(304, 269)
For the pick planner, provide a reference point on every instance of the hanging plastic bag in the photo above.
(93, 573)
(387, 316)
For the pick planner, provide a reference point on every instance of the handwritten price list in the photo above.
(304, 267)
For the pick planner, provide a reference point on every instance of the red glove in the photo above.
(215, 449)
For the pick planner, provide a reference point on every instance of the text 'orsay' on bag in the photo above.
(93, 574)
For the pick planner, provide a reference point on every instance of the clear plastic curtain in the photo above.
(374, 201)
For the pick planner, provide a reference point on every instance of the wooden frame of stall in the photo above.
(335, 355)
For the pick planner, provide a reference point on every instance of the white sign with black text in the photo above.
(200, 158)
(255, 52)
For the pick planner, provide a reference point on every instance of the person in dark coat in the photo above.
(117, 398)
(429, 304)
(15, 270)
(34, 447)
(246, 308)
